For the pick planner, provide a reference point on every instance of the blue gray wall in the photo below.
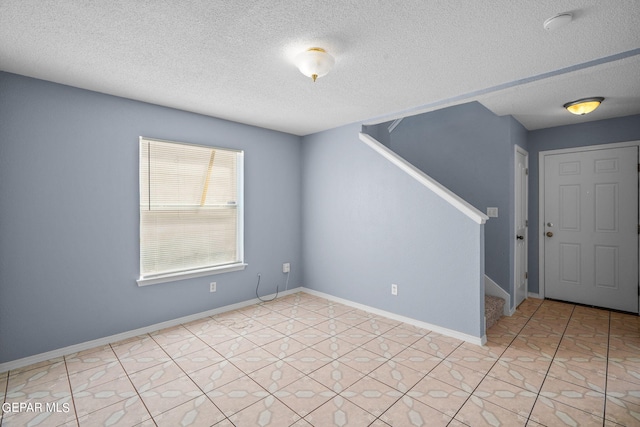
(348, 221)
(367, 225)
(470, 150)
(380, 132)
(69, 231)
(578, 135)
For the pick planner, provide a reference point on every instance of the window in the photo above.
(191, 215)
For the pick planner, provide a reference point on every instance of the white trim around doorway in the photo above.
(524, 152)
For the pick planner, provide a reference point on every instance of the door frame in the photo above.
(520, 150)
(541, 199)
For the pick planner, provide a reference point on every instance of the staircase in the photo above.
(493, 309)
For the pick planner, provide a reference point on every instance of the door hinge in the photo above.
(526, 171)
(526, 222)
(638, 228)
(526, 275)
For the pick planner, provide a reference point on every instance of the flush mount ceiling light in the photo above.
(557, 21)
(314, 62)
(583, 106)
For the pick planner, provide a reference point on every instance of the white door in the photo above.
(521, 197)
(590, 227)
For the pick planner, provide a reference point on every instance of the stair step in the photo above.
(493, 309)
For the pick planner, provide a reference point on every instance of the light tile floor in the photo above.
(306, 361)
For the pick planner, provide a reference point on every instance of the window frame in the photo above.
(238, 265)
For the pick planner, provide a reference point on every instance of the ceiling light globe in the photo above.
(314, 62)
(583, 106)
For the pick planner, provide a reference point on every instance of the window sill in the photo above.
(172, 277)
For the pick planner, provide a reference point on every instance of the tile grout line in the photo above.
(183, 371)
(551, 364)
(212, 349)
(487, 373)
(308, 375)
(263, 304)
(131, 382)
(454, 415)
(4, 398)
(606, 373)
(73, 401)
(225, 359)
(358, 347)
(279, 359)
(494, 364)
(545, 375)
(427, 374)
(296, 306)
(403, 394)
(361, 346)
(423, 377)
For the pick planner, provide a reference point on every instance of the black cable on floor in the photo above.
(277, 289)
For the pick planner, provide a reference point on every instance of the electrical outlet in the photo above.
(492, 212)
(212, 287)
(286, 267)
(394, 289)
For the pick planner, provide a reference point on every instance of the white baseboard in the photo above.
(65, 351)
(532, 295)
(444, 331)
(493, 289)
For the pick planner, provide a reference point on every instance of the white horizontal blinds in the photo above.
(189, 204)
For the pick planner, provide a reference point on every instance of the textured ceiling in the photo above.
(233, 59)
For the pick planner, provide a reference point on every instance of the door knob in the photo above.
(549, 234)
(520, 237)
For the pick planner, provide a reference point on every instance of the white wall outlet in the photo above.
(492, 212)
(394, 289)
(286, 267)
(212, 287)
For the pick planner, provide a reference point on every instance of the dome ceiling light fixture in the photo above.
(314, 62)
(583, 106)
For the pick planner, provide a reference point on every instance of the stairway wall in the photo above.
(469, 150)
(367, 224)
